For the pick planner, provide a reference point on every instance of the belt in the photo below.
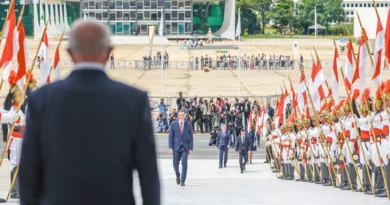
(285, 146)
(365, 135)
(17, 134)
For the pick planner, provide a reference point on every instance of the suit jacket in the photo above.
(223, 140)
(84, 137)
(242, 147)
(185, 138)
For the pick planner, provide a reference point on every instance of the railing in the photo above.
(191, 65)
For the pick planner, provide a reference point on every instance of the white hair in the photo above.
(99, 41)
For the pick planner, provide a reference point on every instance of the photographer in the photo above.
(230, 127)
(206, 114)
(162, 107)
(214, 133)
(226, 106)
(238, 125)
(162, 124)
(215, 115)
(247, 110)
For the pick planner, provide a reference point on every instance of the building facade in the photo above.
(133, 17)
(350, 6)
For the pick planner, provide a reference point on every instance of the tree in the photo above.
(334, 13)
(263, 7)
(249, 21)
(282, 16)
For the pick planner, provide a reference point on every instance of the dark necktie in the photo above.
(181, 127)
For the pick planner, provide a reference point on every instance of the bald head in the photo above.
(89, 41)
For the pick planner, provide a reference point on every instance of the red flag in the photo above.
(11, 45)
(22, 56)
(379, 54)
(387, 37)
(349, 67)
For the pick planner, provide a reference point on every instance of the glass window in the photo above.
(105, 15)
(154, 5)
(369, 5)
(147, 15)
(85, 5)
(181, 5)
(347, 5)
(140, 5)
(188, 14)
(154, 16)
(381, 5)
(132, 3)
(119, 15)
(167, 16)
(181, 16)
(364, 5)
(92, 4)
(98, 5)
(160, 3)
(167, 29)
(386, 4)
(126, 5)
(147, 3)
(98, 16)
(360, 5)
(119, 27)
(174, 3)
(351, 12)
(126, 16)
(112, 5)
(343, 5)
(118, 4)
(126, 29)
(356, 5)
(112, 16)
(174, 27)
(140, 16)
(188, 3)
(167, 5)
(105, 4)
(174, 15)
(188, 27)
(132, 15)
(159, 15)
(91, 15)
(377, 5)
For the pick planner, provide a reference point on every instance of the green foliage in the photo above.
(282, 16)
(249, 22)
(262, 7)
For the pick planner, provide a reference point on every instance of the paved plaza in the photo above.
(206, 184)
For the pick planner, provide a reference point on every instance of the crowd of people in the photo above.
(156, 61)
(349, 138)
(254, 62)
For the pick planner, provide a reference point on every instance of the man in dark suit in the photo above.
(181, 145)
(223, 145)
(85, 135)
(242, 148)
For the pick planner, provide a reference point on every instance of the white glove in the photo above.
(9, 117)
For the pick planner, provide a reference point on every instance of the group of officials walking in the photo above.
(350, 139)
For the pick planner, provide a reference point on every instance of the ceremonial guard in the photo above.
(307, 145)
(288, 143)
(326, 148)
(349, 147)
(314, 152)
(275, 147)
(15, 98)
(301, 150)
(385, 134)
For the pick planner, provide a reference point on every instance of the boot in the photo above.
(15, 194)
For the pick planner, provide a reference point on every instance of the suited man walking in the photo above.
(242, 147)
(85, 135)
(223, 145)
(180, 146)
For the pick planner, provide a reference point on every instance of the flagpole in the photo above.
(162, 68)
(315, 23)
(239, 55)
(5, 22)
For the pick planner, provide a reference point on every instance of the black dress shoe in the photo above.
(348, 187)
(327, 184)
(220, 167)
(177, 180)
(224, 165)
(368, 191)
(336, 186)
(15, 194)
(382, 194)
(304, 180)
(298, 180)
(311, 181)
(242, 171)
(359, 190)
(317, 181)
(266, 162)
(182, 184)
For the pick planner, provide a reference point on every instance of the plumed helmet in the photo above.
(12, 78)
(386, 89)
